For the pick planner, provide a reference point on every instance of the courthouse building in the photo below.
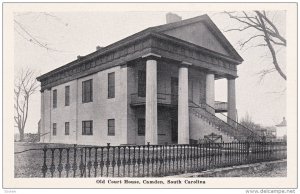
(154, 86)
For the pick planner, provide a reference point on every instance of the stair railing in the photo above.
(232, 123)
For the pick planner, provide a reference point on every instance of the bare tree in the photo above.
(267, 35)
(25, 86)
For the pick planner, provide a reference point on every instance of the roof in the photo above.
(159, 30)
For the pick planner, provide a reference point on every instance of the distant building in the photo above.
(281, 130)
(141, 88)
(271, 133)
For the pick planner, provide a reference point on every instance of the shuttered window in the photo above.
(67, 128)
(54, 98)
(87, 91)
(111, 127)
(54, 129)
(67, 95)
(111, 85)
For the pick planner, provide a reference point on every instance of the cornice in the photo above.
(143, 46)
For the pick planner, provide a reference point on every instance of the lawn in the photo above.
(29, 163)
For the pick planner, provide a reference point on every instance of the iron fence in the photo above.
(154, 160)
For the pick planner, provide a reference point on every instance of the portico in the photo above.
(153, 98)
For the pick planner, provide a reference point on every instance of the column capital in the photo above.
(210, 72)
(185, 64)
(151, 56)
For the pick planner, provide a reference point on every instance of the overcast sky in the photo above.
(78, 33)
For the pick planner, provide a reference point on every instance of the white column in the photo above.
(151, 99)
(231, 99)
(183, 105)
(210, 92)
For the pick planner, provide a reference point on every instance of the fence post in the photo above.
(143, 161)
(95, 162)
(45, 168)
(81, 166)
(68, 166)
(113, 162)
(74, 166)
(101, 162)
(60, 166)
(119, 160)
(148, 158)
(124, 161)
(52, 167)
(107, 160)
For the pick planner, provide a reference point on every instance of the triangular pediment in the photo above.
(199, 34)
(203, 32)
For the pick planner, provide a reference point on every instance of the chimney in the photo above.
(78, 57)
(172, 17)
(98, 47)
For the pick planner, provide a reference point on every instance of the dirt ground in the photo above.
(280, 171)
(266, 169)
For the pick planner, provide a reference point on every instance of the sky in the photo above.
(69, 34)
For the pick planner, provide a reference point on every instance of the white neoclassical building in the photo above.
(155, 86)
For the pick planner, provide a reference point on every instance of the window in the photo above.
(67, 95)
(54, 98)
(67, 128)
(87, 127)
(54, 129)
(141, 127)
(111, 85)
(111, 127)
(141, 83)
(87, 91)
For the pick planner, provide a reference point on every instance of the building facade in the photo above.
(155, 86)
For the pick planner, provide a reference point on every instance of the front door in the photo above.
(174, 90)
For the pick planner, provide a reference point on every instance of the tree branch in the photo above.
(264, 25)
(243, 43)
(273, 53)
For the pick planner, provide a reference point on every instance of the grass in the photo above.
(29, 163)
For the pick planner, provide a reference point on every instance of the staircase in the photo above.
(233, 129)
